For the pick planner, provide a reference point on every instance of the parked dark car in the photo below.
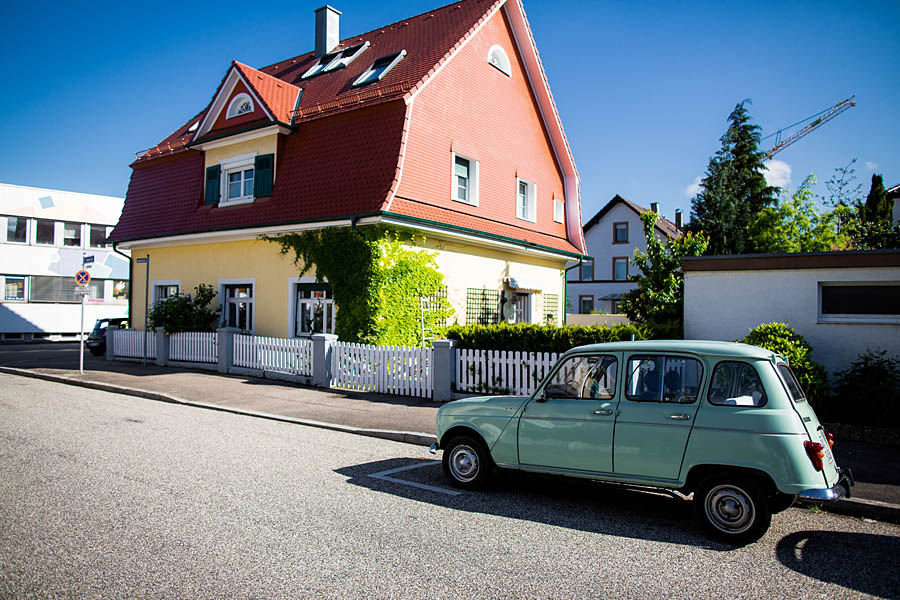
(96, 341)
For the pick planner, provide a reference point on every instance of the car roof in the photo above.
(705, 347)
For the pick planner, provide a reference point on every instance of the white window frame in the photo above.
(335, 60)
(155, 284)
(530, 210)
(502, 63)
(559, 211)
(233, 165)
(34, 232)
(372, 74)
(223, 301)
(235, 102)
(473, 180)
(294, 305)
(27, 230)
(24, 288)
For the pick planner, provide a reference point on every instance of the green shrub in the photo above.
(539, 338)
(781, 339)
(183, 312)
(868, 392)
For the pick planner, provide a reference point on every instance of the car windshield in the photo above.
(791, 383)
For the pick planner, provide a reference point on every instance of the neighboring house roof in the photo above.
(346, 159)
(665, 226)
(893, 192)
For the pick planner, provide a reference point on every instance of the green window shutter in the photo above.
(212, 184)
(264, 171)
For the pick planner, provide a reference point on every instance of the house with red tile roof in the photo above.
(598, 282)
(442, 124)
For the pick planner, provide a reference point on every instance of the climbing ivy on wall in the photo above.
(376, 280)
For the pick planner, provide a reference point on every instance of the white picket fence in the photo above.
(284, 355)
(129, 343)
(382, 369)
(501, 371)
(194, 346)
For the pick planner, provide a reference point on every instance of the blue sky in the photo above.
(644, 88)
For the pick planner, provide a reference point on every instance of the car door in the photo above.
(659, 403)
(570, 426)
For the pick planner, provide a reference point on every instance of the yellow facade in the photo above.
(273, 276)
(263, 145)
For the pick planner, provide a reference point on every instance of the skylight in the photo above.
(336, 60)
(380, 68)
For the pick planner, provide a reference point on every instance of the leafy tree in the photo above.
(867, 224)
(729, 207)
(796, 225)
(183, 312)
(658, 299)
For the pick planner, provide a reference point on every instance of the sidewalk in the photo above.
(876, 466)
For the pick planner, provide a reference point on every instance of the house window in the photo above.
(498, 58)
(381, 67)
(871, 302)
(72, 234)
(17, 229)
(482, 306)
(620, 269)
(465, 180)
(522, 306)
(98, 236)
(15, 288)
(239, 306)
(525, 200)
(240, 184)
(120, 289)
(60, 289)
(620, 233)
(585, 304)
(315, 309)
(559, 211)
(45, 232)
(240, 179)
(587, 270)
(241, 104)
(164, 289)
(336, 60)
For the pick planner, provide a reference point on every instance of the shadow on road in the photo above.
(861, 562)
(561, 502)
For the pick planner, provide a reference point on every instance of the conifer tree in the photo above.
(730, 206)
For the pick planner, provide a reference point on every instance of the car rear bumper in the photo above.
(840, 490)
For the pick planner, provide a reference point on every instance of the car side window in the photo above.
(658, 378)
(736, 383)
(592, 377)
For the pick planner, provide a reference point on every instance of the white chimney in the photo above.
(328, 36)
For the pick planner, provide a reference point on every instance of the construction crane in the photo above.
(820, 119)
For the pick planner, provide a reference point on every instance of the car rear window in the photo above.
(736, 383)
(791, 383)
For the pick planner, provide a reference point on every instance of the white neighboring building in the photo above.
(843, 303)
(612, 236)
(43, 237)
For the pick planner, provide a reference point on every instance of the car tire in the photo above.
(780, 502)
(97, 351)
(467, 463)
(732, 509)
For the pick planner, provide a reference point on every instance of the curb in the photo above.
(407, 437)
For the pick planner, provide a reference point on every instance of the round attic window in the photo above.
(498, 58)
(241, 104)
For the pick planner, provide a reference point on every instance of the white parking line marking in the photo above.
(386, 476)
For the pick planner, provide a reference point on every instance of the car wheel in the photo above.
(466, 462)
(732, 509)
(780, 502)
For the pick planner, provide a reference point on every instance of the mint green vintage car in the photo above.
(726, 422)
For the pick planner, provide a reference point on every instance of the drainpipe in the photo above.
(130, 280)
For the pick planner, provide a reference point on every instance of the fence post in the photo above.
(321, 358)
(443, 369)
(225, 341)
(162, 347)
(110, 344)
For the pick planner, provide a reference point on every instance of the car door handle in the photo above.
(679, 417)
(603, 412)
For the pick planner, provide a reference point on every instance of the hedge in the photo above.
(539, 338)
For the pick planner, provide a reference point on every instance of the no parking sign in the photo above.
(82, 278)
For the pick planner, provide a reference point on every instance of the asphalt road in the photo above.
(109, 496)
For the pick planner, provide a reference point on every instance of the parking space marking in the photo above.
(386, 476)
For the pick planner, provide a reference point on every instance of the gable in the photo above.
(240, 93)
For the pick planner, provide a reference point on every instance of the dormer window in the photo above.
(336, 60)
(381, 67)
(498, 58)
(241, 104)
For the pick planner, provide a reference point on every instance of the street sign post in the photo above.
(82, 279)
(89, 260)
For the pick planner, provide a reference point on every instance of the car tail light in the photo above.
(830, 438)
(815, 452)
